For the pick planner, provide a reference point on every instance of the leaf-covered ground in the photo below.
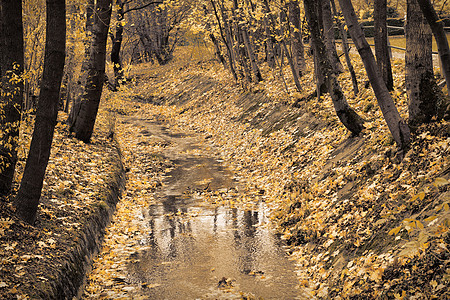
(361, 223)
(76, 186)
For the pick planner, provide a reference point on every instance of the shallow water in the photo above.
(198, 250)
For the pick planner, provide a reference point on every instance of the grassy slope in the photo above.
(360, 223)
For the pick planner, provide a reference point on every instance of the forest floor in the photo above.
(79, 180)
(359, 223)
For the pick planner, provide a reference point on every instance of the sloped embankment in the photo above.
(82, 186)
(361, 224)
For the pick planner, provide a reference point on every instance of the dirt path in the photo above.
(192, 240)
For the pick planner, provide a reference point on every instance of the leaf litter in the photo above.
(359, 222)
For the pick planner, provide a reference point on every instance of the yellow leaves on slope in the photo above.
(420, 196)
(308, 160)
(400, 296)
(5, 223)
(395, 230)
(440, 181)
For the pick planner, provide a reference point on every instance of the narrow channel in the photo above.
(201, 250)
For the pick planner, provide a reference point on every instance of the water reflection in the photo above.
(191, 247)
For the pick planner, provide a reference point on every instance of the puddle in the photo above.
(197, 250)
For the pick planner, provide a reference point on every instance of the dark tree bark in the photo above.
(117, 38)
(321, 85)
(437, 27)
(398, 127)
(351, 120)
(298, 49)
(234, 51)
(27, 199)
(117, 45)
(257, 77)
(381, 43)
(11, 97)
(330, 44)
(68, 84)
(213, 39)
(268, 26)
(239, 47)
(421, 86)
(293, 68)
(242, 29)
(85, 115)
(345, 49)
(224, 32)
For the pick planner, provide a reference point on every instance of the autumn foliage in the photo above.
(355, 173)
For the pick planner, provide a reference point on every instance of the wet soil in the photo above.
(203, 250)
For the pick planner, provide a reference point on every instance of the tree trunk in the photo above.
(381, 43)
(90, 9)
(224, 32)
(351, 120)
(213, 38)
(346, 50)
(11, 97)
(117, 45)
(70, 63)
(243, 37)
(270, 51)
(298, 49)
(84, 120)
(437, 27)
(27, 199)
(239, 48)
(257, 77)
(321, 86)
(421, 86)
(293, 68)
(330, 44)
(397, 126)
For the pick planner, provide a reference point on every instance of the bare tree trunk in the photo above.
(330, 44)
(215, 42)
(293, 68)
(437, 27)
(233, 44)
(11, 97)
(381, 43)
(319, 74)
(351, 120)
(224, 32)
(84, 120)
(346, 51)
(90, 9)
(251, 55)
(239, 47)
(247, 43)
(298, 49)
(421, 86)
(27, 199)
(117, 45)
(270, 52)
(397, 126)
